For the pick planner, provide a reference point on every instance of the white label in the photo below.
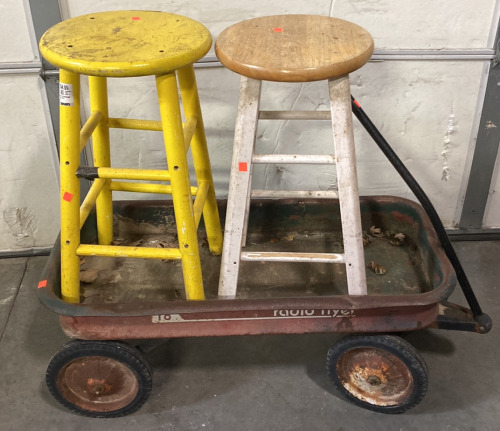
(66, 94)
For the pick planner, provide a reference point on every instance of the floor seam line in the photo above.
(16, 294)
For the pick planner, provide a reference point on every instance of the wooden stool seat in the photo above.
(294, 48)
(125, 43)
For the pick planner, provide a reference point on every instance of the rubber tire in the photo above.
(129, 357)
(395, 346)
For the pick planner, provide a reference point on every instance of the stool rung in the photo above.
(189, 128)
(294, 194)
(304, 159)
(295, 115)
(89, 127)
(128, 123)
(119, 186)
(90, 199)
(91, 173)
(270, 256)
(124, 251)
(155, 126)
(199, 202)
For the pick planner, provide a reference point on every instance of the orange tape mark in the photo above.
(136, 18)
(356, 103)
(68, 197)
(278, 30)
(243, 167)
(42, 284)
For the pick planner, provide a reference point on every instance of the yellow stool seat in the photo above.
(294, 48)
(125, 43)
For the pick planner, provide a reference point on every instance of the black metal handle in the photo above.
(424, 201)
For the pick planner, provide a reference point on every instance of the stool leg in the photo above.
(69, 83)
(98, 88)
(343, 138)
(239, 185)
(201, 159)
(179, 177)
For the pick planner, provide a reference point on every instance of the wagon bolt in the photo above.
(374, 380)
(97, 389)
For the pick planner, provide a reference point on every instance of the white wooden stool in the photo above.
(293, 48)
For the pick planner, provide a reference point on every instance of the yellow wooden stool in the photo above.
(293, 48)
(128, 44)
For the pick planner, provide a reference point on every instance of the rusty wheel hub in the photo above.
(375, 376)
(98, 383)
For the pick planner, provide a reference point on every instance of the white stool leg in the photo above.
(239, 185)
(343, 139)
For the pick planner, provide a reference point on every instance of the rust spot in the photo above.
(375, 376)
(98, 386)
(97, 383)
(404, 218)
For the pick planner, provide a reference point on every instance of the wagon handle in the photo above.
(428, 207)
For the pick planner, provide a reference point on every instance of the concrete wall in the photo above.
(492, 215)
(16, 41)
(424, 108)
(421, 24)
(28, 175)
(393, 23)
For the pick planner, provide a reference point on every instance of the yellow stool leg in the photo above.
(70, 185)
(181, 195)
(199, 150)
(102, 158)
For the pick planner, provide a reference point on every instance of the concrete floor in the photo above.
(252, 383)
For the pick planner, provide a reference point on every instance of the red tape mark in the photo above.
(243, 167)
(42, 283)
(136, 18)
(356, 103)
(278, 30)
(68, 197)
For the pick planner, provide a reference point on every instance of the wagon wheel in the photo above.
(382, 373)
(99, 378)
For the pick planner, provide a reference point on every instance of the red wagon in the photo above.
(130, 299)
